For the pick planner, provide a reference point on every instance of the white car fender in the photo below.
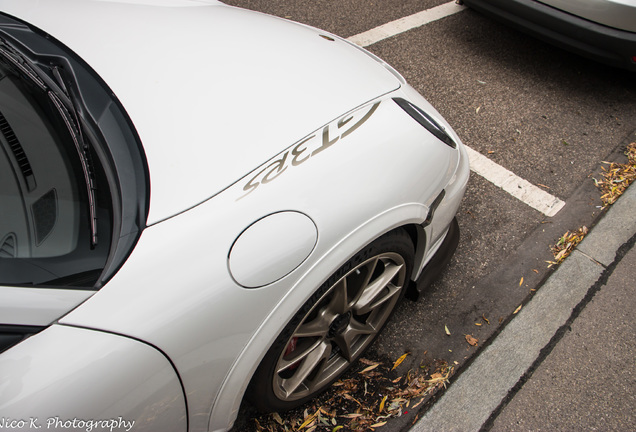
(48, 379)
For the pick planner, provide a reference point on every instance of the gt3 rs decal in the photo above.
(308, 148)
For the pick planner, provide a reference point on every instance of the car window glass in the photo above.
(45, 235)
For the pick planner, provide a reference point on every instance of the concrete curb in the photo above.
(480, 389)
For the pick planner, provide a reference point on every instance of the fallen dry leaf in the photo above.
(352, 415)
(351, 398)
(277, 417)
(382, 403)
(308, 420)
(472, 340)
(447, 330)
(369, 368)
(517, 310)
(418, 403)
(400, 360)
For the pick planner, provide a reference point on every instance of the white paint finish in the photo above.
(404, 24)
(38, 306)
(73, 373)
(272, 248)
(519, 188)
(213, 91)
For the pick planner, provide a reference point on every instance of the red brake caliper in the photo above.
(291, 347)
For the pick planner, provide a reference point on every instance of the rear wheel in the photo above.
(335, 326)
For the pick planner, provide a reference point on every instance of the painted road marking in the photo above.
(519, 188)
(402, 25)
(508, 181)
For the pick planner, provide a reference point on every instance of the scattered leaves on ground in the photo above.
(363, 401)
(566, 244)
(617, 176)
(447, 330)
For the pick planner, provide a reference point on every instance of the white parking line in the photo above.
(405, 24)
(516, 186)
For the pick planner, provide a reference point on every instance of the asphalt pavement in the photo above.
(566, 360)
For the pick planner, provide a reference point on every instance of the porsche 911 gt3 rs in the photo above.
(201, 203)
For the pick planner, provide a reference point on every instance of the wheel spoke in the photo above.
(339, 302)
(295, 357)
(319, 326)
(370, 269)
(312, 359)
(348, 337)
(367, 299)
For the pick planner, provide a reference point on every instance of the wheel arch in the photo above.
(409, 216)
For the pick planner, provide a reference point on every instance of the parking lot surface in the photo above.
(546, 116)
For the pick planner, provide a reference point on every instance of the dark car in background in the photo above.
(603, 30)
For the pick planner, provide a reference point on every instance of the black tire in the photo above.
(335, 326)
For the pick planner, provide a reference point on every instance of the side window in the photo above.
(47, 227)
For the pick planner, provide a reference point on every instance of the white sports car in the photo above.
(201, 203)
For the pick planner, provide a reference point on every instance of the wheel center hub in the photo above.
(339, 324)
